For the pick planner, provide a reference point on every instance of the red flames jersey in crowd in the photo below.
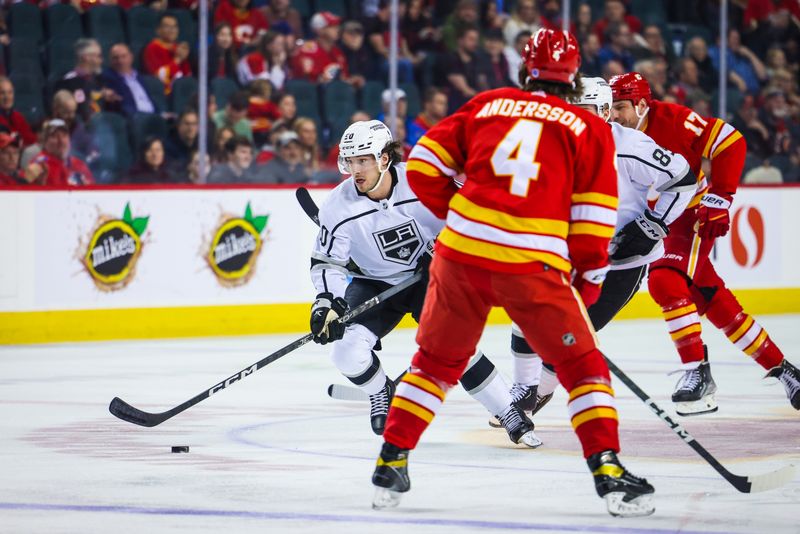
(541, 183)
(311, 61)
(246, 24)
(158, 58)
(60, 173)
(262, 113)
(679, 129)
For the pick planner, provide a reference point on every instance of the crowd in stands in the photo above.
(106, 91)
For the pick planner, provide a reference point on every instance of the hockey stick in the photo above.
(308, 204)
(126, 412)
(745, 484)
(352, 393)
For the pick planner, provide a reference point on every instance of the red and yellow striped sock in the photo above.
(753, 340)
(594, 417)
(414, 405)
(683, 323)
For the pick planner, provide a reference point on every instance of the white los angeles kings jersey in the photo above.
(383, 238)
(643, 164)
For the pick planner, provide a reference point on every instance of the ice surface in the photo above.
(275, 454)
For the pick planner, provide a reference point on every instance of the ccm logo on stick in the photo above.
(234, 378)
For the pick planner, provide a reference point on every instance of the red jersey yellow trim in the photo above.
(601, 199)
(504, 221)
(440, 151)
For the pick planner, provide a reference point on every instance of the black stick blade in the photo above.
(121, 409)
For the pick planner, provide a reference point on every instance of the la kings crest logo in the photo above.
(399, 244)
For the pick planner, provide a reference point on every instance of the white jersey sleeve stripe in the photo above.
(724, 132)
(593, 213)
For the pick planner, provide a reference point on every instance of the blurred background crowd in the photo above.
(106, 91)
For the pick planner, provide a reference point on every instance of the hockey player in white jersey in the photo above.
(373, 229)
(642, 164)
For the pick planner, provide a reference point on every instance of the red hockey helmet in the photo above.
(552, 56)
(630, 86)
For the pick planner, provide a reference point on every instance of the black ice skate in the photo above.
(694, 392)
(523, 397)
(519, 427)
(379, 407)
(626, 495)
(390, 477)
(789, 376)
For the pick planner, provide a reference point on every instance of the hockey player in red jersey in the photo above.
(684, 282)
(537, 207)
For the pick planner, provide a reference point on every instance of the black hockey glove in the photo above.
(424, 261)
(638, 238)
(324, 313)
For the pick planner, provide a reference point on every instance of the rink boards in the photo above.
(100, 263)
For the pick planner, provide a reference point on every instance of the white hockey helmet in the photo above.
(596, 92)
(362, 138)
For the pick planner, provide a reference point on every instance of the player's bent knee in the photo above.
(352, 354)
(667, 286)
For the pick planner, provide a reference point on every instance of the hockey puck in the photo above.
(180, 448)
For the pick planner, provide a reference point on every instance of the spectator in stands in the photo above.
(281, 14)
(306, 130)
(267, 62)
(776, 60)
(524, 17)
(434, 109)
(287, 107)
(332, 159)
(247, 23)
(262, 111)
(10, 118)
(82, 141)
(756, 135)
(379, 37)
(745, 70)
(222, 136)
(182, 139)
(222, 54)
(465, 15)
(54, 165)
(783, 129)
(234, 115)
(401, 98)
(688, 80)
(193, 169)
(123, 79)
(496, 64)
(151, 167)
(784, 80)
(583, 24)
(611, 69)
(514, 55)
(239, 165)
(590, 56)
(419, 30)
(84, 81)
(359, 57)
(321, 60)
(9, 160)
(615, 12)
(164, 57)
(697, 51)
(288, 165)
(462, 71)
(651, 44)
(618, 45)
(780, 28)
(267, 151)
(491, 18)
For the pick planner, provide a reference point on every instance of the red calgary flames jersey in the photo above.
(541, 183)
(679, 129)
(314, 63)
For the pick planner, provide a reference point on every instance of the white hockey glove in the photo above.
(324, 314)
(638, 238)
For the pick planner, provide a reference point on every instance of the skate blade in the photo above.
(529, 439)
(703, 406)
(385, 498)
(640, 506)
(494, 422)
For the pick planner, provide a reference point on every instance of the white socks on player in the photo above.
(352, 355)
(493, 392)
